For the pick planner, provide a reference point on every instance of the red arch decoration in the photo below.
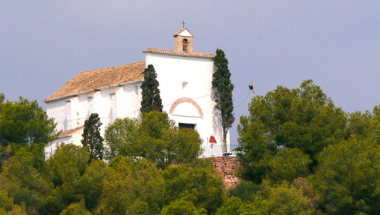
(188, 100)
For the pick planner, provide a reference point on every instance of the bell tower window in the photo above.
(184, 45)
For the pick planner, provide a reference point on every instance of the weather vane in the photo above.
(183, 23)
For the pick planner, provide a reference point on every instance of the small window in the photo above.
(184, 84)
(184, 43)
(186, 126)
(136, 90)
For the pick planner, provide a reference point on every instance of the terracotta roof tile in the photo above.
(71, 131)
(165, 51)
(92, 94)
(115, 91)
(100, 78)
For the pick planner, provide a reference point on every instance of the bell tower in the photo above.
(183, 41)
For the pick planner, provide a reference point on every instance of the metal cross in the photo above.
(183, 23)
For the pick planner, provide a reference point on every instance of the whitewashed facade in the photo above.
(185, 83)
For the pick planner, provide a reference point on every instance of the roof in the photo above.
(212, 139)
(180, 31)
(101, 78)
(70, 132)
(92, 94)
(171, 52)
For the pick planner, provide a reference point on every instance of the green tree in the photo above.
(244, 190)
(2, 97)
(153, 137)
(182, 206)
(92, 182)
(288, 165)
(76, 209)
(151, 99)
(285, 198)
(231, 207)
(197, 182)
(222, 86)
(64, 169)
(134, 187)
(23, 182)
(24, 122)
(92, 139)
(364, 125)
(348, 177)
(5, 202)
(303, 118)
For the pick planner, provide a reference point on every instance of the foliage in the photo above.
(76, 209)
(23, 182)
(134, 187)
(65, 169)
(303, 118)
(92, 182)
(222, 86)
(284, 199)
(24, 122)
(231, 207)
(182, 206)
(244, 190)
(348, 177)
(5, 202)
(364, 125)
(151, 99)
(92, 139)
(280, 199)
(153, 137)
(198, 182)
(288, 164)
(121, 136)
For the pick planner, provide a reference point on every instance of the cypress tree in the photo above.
(92, 138)
(222, 86)
(151, 99)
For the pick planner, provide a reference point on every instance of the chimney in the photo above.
(183, 41)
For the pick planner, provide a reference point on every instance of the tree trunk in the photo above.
(225, 140)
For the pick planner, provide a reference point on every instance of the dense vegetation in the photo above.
(299, 155)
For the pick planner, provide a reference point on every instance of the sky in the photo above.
(43, 44)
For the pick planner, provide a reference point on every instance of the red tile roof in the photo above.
(100, 78)
(71, 131)
(172, 52)
(212, 139)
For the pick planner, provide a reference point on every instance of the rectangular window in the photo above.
(113, 108)
(186, 126)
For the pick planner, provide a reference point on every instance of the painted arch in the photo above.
(186, 100)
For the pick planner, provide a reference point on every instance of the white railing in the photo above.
(217, 150)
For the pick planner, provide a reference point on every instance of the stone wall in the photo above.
(226, 166)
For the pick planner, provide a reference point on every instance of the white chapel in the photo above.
(185, 79)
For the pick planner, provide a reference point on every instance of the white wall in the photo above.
(172, 71)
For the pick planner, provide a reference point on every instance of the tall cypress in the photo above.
(151, 99)
(222, 86)
(92, 138)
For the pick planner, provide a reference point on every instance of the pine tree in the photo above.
(151, 99)
(222, 86)
(92, 138)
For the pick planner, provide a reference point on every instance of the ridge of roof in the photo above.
(172, 52)
(88, 81)
(180, 31)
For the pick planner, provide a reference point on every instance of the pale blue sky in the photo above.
(43, 44)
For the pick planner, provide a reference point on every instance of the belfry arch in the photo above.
(186, 100)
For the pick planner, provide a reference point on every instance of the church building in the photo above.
(185, 79)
